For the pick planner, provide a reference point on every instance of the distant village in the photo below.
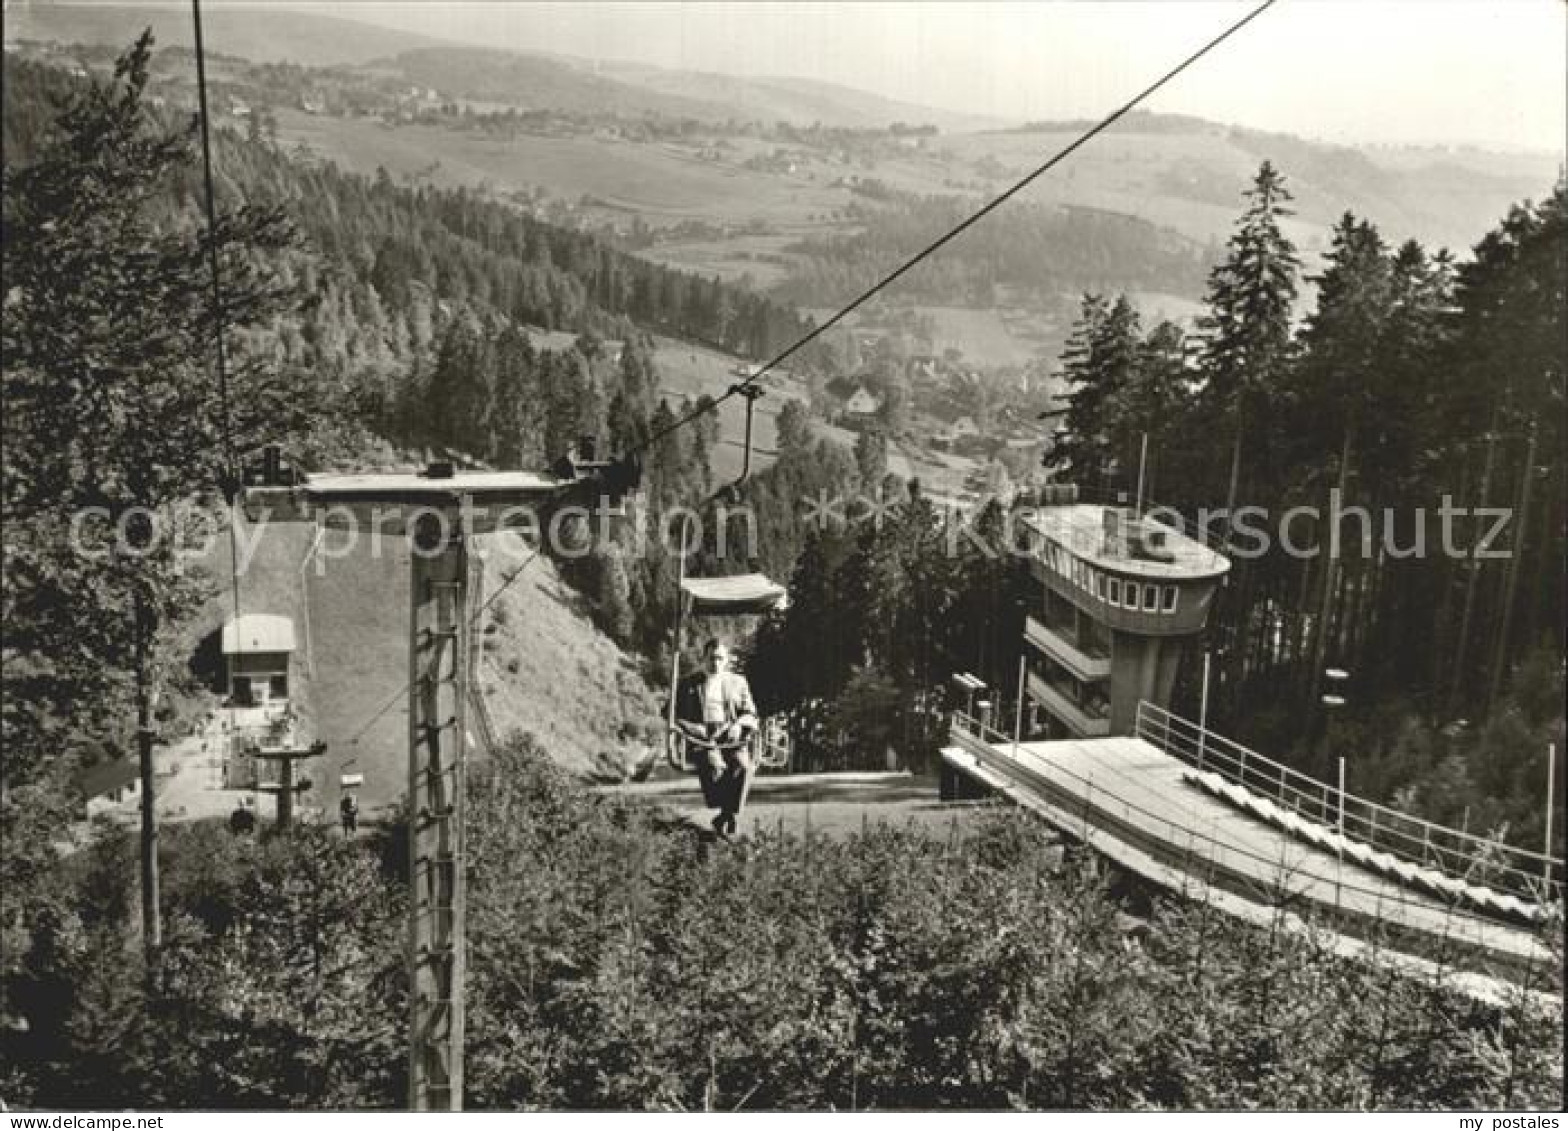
(891, 380)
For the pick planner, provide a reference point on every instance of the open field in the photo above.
(661, 183)
(543, 668)
(942, 475)
(988, 338)
(1191, 180)
(546, 669)
(758, 260)
(772, 98)
(1157, 306)
(1188, 180)
(689, 370)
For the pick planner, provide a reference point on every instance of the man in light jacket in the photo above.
(715, 708)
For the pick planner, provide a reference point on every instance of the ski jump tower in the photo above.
(1121, 595)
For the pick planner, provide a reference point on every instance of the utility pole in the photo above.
(1018, 709)
(1235, 481)
(1551, 800)
(1203, 709)
(1143, 459)
(1474, 572)
(146, 697)
(1520, 521)
(1330, 571)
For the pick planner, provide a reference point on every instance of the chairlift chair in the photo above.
(749, 594)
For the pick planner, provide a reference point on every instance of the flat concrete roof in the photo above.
(389, 502)
(1080, 529)
(403, 484)
(258, 632)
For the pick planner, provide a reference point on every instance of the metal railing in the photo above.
(1167, 515)
(1455, 853)
(1090, 660)
(1065, 706)
(1196, 852)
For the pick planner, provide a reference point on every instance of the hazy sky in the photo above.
(1483, 71)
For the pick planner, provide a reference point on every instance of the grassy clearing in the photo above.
(733, 260)
(987, 337)
(1156, 306)
(663, 184)
(350, 608)
(687, 370)
(547, 670)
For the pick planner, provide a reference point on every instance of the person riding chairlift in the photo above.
(714, 708)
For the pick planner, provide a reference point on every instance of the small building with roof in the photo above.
(108, 782)
(257, 650)
(863, 402)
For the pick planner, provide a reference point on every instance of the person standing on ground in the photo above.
(242, 821)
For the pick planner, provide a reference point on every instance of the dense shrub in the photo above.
(632, 965)
(616, 960)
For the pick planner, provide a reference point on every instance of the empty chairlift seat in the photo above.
(748, 594)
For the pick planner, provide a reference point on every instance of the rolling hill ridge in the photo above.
(257, 34)
(529, 80)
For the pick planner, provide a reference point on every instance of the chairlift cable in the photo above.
(473, 626)
(225, 412)
(231, 483)
(748, 382)
(963, 225)
(1061, 155)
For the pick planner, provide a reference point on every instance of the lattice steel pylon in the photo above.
(440, 509)
(439, 671)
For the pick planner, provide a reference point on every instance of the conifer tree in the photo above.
(871, 458)
(1337, 379)
(111, 403)
(1101, 359)
(516, 422)
(1152, 403)
(1341, 338)
(1247, 326)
